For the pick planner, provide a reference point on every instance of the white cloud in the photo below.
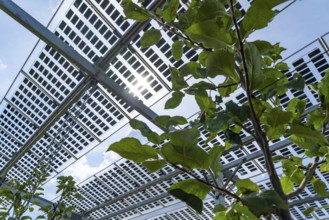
(2, 65)
(82, 169)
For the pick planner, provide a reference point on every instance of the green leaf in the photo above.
(310, 146)
(281, 66)
(133, 11)
(178, 81)
(308, 133)
(291, 170)
(214, 159)
(244, 212)
(167, 121)
(210, 9)
(209, 34)
(186, 18)
(263, 47)
(254, 64)
(324, 90)
(154, 165)
(273, 198)
(287, 185)
(221, 62)
(324, 167)
(220, 122)
(177, 50)
(150, 37)
(298, 83)
(308, 211)
(233, 138)
(256, 204)
(205, 103)
(278, 158)
(240, 112)
(185, 139)
(219, 208)
(320, 188)
(276, 117)
(194, 187)
(296, 106)
(259, 15)
(145, 130)
(194, 158)
(203, 85)
(226, 91)
(194, 69)
(170, 11)
(316, 118)
(246, 186)
(175, 100)
(132, 149)
(191, 200)
(78, 196)
(264, 203)
(221, 216)
(203, 57)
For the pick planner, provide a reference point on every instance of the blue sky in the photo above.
(17, 42)
(298, 25)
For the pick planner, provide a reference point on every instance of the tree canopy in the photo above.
(219, 33)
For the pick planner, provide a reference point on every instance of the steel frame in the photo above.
(83, 64)
(95, 72)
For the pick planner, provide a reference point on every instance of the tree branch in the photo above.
(221, 190)
(246, 129)
(261, 137)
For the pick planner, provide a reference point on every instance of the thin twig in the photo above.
(179, 34)
(246, 129)
(309, 174)
(306, 179)
(224, 191)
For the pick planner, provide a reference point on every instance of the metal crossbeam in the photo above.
(225, 170)
(83, 64)
(75, 58)
(307, 200)
(125, 40)
(161, 211)
(71, 99)
(131, 192)
(127, 209)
